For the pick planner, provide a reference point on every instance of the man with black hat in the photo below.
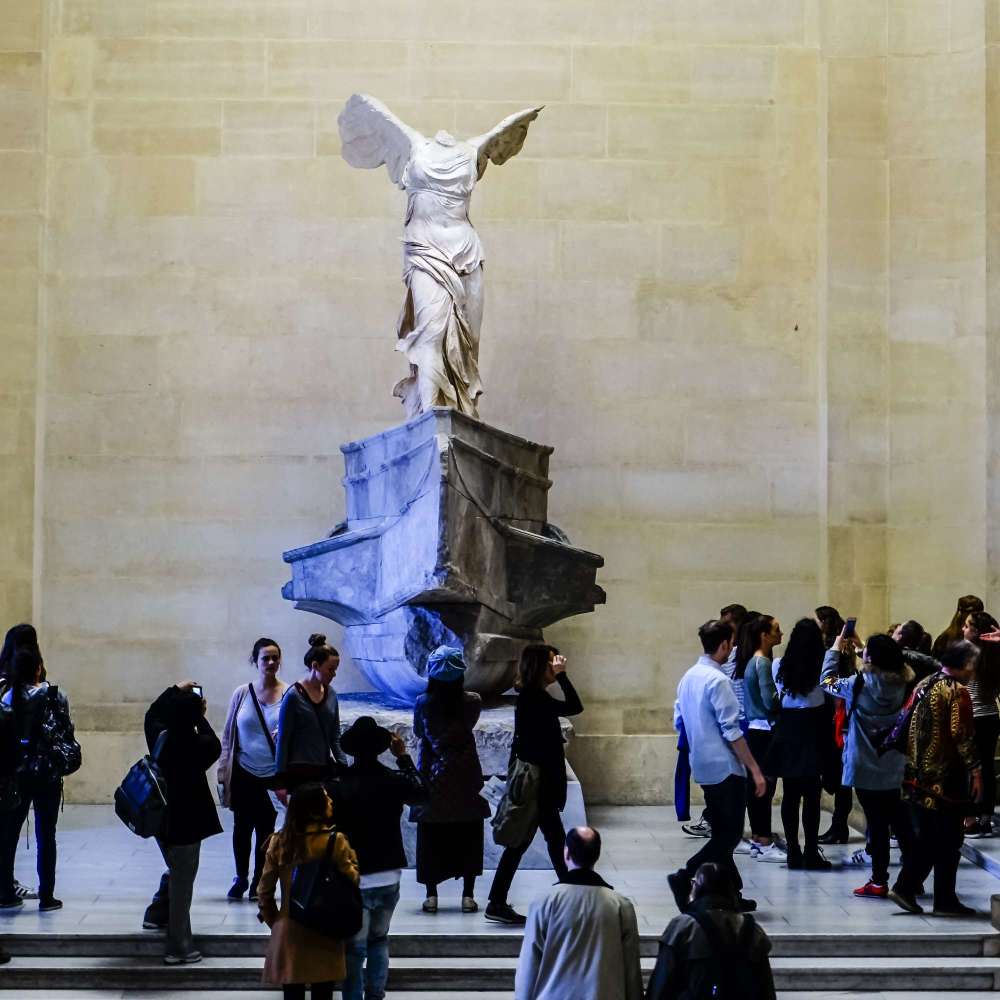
(369, 801)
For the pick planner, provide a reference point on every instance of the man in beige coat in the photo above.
(581, 941)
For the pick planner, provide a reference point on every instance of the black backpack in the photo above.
(141, 798)
(733, 975)
(52, 751)
(324, 899)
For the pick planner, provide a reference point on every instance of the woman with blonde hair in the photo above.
(296, 955)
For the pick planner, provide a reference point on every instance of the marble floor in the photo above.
(106, 876)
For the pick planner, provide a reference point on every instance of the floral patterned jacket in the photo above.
(941, 745)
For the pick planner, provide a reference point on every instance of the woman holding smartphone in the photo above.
(538, 740)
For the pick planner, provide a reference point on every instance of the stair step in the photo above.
(812, 974)
(497, 943)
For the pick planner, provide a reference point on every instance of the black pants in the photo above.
(297, 991)
(550, 823)
(253, 817)
(44, 798)
(759, 809)
(843, 803)
(987, 731)
(726, 803)
(938, 836)
(884, 810)
(804, 792)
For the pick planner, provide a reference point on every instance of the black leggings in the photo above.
(759, 809)
(253, 816)
(987, 729)
(550, 823)
(806, 791)
(297, 991)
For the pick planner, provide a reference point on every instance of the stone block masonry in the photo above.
(780, 215)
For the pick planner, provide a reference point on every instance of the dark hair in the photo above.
(957, 655)
(913, 636)
(735, 611)
(21, 636)
(830, 622)
(713, 634)
(885, 654)
(534, 663)
(306, 806)
(259, 645)
(23, 671)
(748, 640)
(988, 664)
(712, 879)
(583, 848)
(803, 659)
(965, 606)
(319, 651)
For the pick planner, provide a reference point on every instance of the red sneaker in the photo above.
(872, 890)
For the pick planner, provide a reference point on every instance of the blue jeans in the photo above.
(371, 942)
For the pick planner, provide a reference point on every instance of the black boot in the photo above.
(835, 835)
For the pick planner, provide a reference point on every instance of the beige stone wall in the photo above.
(739, 278)
(22, 129)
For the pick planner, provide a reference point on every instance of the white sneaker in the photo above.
(773, 854)
(744, 847)
(861, 858)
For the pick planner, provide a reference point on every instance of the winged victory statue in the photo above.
(439, 322)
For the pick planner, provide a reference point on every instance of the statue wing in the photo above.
(504, 140)
(370, 135)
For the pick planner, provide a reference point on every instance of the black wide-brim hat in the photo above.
(365, 738)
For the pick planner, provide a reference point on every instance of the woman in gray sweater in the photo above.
(308, 746)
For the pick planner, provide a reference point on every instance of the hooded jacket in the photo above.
(878, 700)
(191, 747)
(686, 965)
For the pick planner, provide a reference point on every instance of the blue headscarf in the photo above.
(445, 664)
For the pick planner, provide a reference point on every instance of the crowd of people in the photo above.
(906, 726)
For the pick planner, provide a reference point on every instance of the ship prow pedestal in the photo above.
(447, 540)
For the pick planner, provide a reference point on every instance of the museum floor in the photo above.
(826, 941)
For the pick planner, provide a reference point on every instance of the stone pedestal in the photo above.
(494, 734)
(446, 542)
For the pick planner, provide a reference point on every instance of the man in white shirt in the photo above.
(719, 756)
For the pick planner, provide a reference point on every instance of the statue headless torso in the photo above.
(438, 328)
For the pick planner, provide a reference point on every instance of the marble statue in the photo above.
(438, 326)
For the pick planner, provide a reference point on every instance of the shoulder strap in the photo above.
(158, 745)
(859, 683)
(260, 716)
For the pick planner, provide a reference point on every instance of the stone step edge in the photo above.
(804, 963)
(966, 944)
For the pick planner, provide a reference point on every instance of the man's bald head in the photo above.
(583, 847)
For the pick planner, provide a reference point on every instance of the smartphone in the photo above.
(849, 627)
(196, 689)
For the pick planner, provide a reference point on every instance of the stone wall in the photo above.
(738, 277)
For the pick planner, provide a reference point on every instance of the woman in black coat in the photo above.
(450, 821)
(538, 740)
(185, 746)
